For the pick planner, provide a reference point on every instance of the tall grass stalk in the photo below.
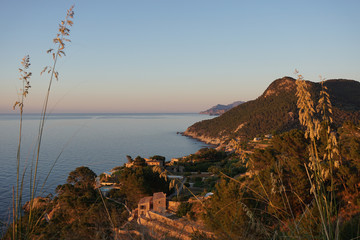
(317, 120)
(320, 168)
(59, 41)
(25, 80)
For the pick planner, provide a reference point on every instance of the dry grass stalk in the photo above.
(320, 168)
(17, 196)
(59, 40)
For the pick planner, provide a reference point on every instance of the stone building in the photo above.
(156, 203)
(144, 205)
(159, 202)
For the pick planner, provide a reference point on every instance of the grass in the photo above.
(264, 206)
(18, 231)
(320, 168)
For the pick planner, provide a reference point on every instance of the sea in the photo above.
(98, 141)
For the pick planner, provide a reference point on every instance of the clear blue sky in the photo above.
(174, 56)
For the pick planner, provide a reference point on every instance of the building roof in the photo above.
(145, 200)
(159, 195)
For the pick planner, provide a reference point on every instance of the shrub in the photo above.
(183, 209)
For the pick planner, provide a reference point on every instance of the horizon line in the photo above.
(15, 113)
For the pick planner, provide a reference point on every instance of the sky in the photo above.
(132, 56)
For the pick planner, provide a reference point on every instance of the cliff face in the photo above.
(276, 111)
(203, 138)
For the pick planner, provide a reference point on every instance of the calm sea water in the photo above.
(99, 141)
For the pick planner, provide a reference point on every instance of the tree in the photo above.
(139, 162)
(140, 182)
(158, 157)
(82, 177)
(129, 158)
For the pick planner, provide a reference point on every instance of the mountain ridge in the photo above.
(220, 108)
(276, 111)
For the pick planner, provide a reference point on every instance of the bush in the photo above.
(183, 209)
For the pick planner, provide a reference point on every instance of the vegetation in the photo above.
(18, 230)
(158, 157)
(77, 212)
(82, 177)
(214, 161)
(139, 162)
(305, 185)
(277, 200)
(138, 182)
(183, 209)
(276, 110)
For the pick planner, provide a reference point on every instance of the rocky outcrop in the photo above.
(202, 138)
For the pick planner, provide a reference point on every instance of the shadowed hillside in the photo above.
(275, 111)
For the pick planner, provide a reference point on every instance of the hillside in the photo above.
(276, 111)
(220, 109)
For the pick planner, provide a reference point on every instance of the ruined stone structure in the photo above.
(156, 203)
(159, 202)
(145, 205)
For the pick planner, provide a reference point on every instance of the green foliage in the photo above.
(139, 182)
(276, 110)
(180, 198)
(202, 160)
(351, 228)
(348, 174)
(139, 162)
(183, 209)
(205, 155)
(278, 191)
(158, 157)
(281, 170)
(228, 213)
(129, 158)
(82, 177)
(77, 212)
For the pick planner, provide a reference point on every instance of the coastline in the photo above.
(207, 140)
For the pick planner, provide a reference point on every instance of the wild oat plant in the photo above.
(320, 168)
(23, 228)
(272, 207)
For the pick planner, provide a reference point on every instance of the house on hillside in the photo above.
(144, 205)
(154, 162)
(159, 202)
(175, 168)
(147, 162)
(173, 161)
(156, 203)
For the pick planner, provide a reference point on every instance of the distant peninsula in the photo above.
(220, 109)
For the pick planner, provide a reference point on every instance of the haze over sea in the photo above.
(98, 141)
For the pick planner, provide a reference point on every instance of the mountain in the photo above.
(275, 111)
(220, 109)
